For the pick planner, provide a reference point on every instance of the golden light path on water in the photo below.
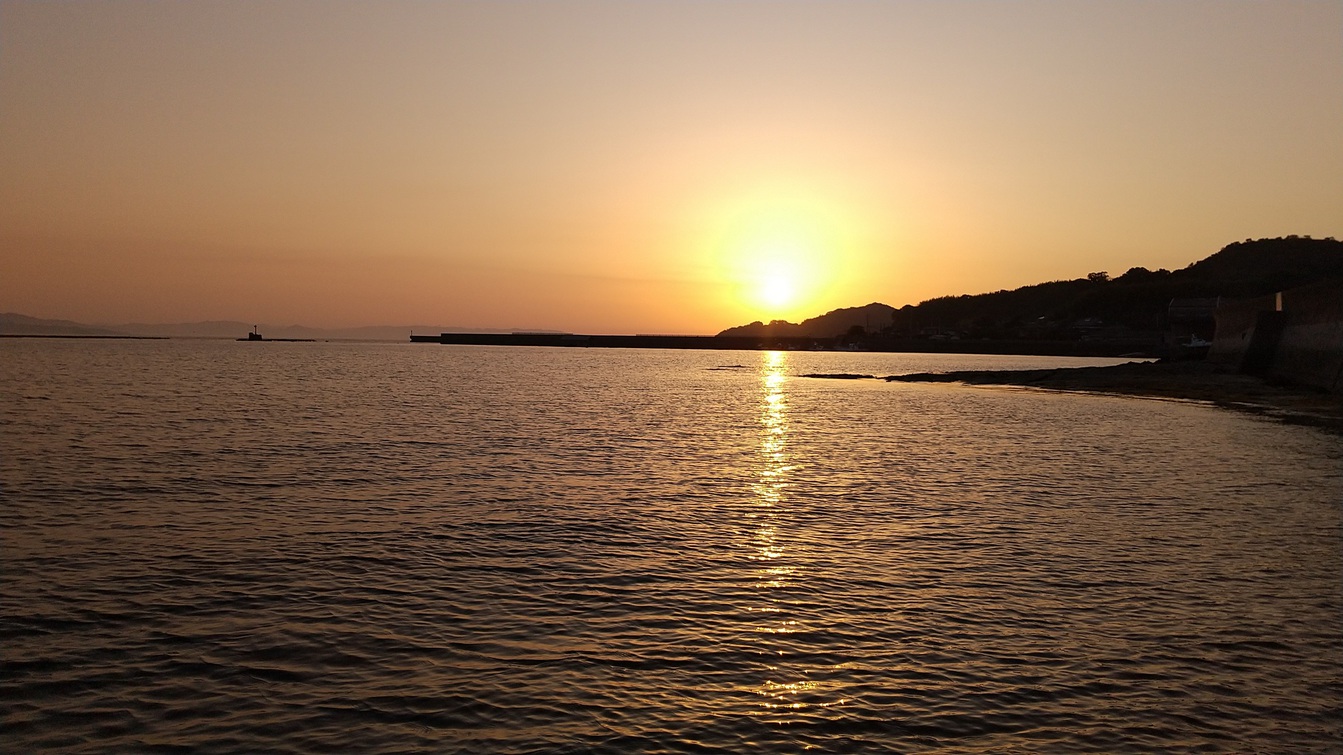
(783, 688)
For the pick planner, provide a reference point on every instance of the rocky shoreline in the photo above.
(1188, 381)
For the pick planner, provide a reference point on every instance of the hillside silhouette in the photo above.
(872, 317)
(1099, 305)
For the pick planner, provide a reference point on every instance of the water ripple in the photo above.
(210, 547)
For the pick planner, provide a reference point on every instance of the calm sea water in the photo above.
(224, 547)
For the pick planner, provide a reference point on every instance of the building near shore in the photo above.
(1294, 335)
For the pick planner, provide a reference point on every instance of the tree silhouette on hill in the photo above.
(1136, 300)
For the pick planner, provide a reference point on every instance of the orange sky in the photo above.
(653, 167)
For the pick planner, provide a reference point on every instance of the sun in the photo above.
(779, 268)
(781, 251)
(776, 288)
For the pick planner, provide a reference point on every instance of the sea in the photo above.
(222, 547)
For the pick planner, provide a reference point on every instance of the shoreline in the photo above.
(1185, 381)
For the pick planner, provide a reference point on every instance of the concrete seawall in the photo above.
(1296, 335)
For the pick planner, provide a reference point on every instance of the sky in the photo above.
(641, 167)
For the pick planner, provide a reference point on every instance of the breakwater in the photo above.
(628, 342)
(1079, 348)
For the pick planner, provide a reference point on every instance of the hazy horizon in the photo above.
(649, 168)
(418, 328)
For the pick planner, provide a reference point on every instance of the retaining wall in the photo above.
(1301, 343)
(1310, 350)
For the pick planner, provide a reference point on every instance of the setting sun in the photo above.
(777, 287)
(781, 252)
(781, 268)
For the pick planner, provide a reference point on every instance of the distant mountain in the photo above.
(235, 329)
(1135, 301)
(207, 329)
(16, 324)
(871, 318)
(13, 324)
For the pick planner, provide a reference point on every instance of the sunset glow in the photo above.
(650, 167)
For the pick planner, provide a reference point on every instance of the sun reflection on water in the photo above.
(783, 689)
(774, 468)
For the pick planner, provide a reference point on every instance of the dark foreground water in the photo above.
(222, 547)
